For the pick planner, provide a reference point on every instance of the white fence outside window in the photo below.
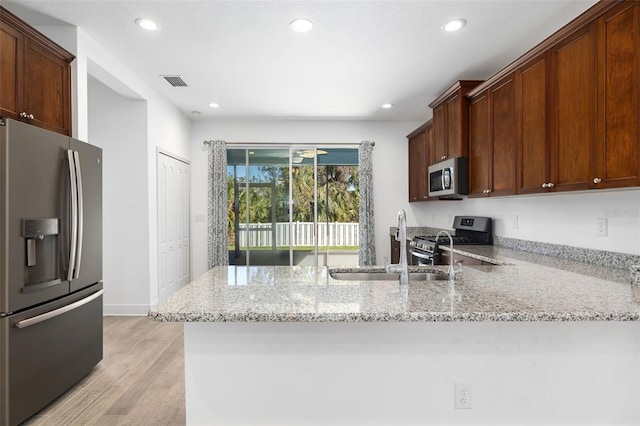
(333, 234)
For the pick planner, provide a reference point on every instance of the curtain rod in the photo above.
(289, 144)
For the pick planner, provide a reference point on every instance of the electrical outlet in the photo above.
(602, 227)
(514, 221)
(462, 397)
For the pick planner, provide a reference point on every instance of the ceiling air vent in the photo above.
(175, 80)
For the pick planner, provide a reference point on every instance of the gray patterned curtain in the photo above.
(218, 252)
(367, 251)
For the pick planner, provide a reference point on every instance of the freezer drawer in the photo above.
(46, 350)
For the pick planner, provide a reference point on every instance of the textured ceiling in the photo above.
(359, 55)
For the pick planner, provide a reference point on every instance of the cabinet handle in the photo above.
(30, 117)
(544, 185)
(443, 157)
(551, 185)
(25, 115)
(597, 180)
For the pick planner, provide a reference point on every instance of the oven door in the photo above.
(421, 258)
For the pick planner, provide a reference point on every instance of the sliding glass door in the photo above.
(292, 205)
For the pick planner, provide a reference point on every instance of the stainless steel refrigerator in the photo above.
(50, 266)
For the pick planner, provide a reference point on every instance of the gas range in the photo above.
(468, 230)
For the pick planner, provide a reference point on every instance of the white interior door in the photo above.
(173, 224)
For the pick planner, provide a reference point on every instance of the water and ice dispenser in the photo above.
(42, 257)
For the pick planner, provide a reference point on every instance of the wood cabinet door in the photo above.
(47, 89)
(440, 127)
(421, 167)
(503, 126)
(412, 150)
(415, 150)
(533, 145)
(11, 71)
(454, 133)
(618, 59)
(418, 163)
(479, 146)
(573, 112)
(430, 152)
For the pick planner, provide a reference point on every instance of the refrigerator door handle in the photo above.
(80, 215)
(74, 215)
(57, 312)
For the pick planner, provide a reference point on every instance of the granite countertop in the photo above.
(525, 287)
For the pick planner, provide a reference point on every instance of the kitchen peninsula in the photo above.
(541, 340)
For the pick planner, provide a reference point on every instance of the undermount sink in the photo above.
(387, 276)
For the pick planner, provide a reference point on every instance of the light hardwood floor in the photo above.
(140, 380)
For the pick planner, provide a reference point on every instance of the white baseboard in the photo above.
(125, 310)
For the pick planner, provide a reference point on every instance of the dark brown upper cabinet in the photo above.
(573, 111)
(618, 97)
(451, 122)
(576, 108)
(36, 76)
(492, 146)
(419, 141)
(533, 148)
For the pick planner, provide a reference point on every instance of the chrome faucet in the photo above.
(401, 268)
(452, 272)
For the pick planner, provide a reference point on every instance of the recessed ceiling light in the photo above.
(214, 105)
(454, 25)
(301, 25)
(147, 24)
(387, 106)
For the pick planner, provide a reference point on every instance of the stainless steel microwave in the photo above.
(449, 178)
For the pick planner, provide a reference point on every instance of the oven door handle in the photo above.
(420, 255)
(57, 312)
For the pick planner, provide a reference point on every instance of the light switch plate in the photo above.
(602, 227)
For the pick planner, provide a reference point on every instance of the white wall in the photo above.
(389, 165)
(568, 218)
(125, 212)
(166, 127)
